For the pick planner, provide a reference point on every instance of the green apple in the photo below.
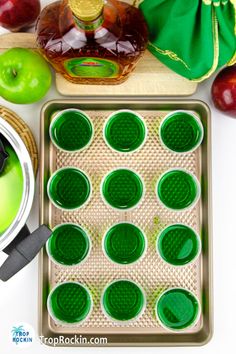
(25, 76)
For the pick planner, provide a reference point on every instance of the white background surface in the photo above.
(18, 297)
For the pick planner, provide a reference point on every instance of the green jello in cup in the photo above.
(69, 188)
(124, 243)
(71, 130)
(123, 300)
(178, 245)
(122, 189)
(125, 131)
(177, 309)
(181, 131)
(70, 303)
(178, 189)
(69, 245)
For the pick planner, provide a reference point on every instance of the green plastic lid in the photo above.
(69, 188)
(69, 244)
(177, 309)
(122, 189)
(71, 130)
(125, 131)
(123, 300)
(178, 189)
(69, 302)
(124, 243)
(178, 244)
(181, 132)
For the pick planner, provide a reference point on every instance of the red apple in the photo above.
(16, 15)
(223, 90)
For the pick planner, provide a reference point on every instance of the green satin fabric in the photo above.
(192, 37)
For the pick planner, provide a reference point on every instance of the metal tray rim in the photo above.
(140, 100)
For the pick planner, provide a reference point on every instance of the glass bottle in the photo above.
(92, 41)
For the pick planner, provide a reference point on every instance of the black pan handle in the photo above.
(23, 249)
(3, 156)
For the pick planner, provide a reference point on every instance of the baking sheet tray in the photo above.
(151, 272)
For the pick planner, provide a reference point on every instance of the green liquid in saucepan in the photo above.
(11, 189)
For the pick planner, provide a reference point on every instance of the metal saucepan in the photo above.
(17, 187)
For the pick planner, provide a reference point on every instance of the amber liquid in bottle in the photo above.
(102, 51)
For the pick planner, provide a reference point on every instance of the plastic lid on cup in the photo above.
(124, 243)
(69, 245)
(69, 188)
(123, 300)
(125, 131)
(177, 309)
(178, 189)
(181, 131)
(122, 189)
(70, 303)
(178, 244)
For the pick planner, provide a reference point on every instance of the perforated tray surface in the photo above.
(151, 272)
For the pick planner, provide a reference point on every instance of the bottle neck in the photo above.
(90, 25)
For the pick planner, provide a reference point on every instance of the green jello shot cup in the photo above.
(177, 309)
(122, 189)
(71, 130)
(123, 301)
(178, 189)
(69, 245)
(125, 131)
(69, 303)
(69, 188)
(181, 131)
(124, 243)
(178, 245)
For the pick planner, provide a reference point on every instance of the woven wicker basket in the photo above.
(24, 132)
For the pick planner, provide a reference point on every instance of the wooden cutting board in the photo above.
(150, 78)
